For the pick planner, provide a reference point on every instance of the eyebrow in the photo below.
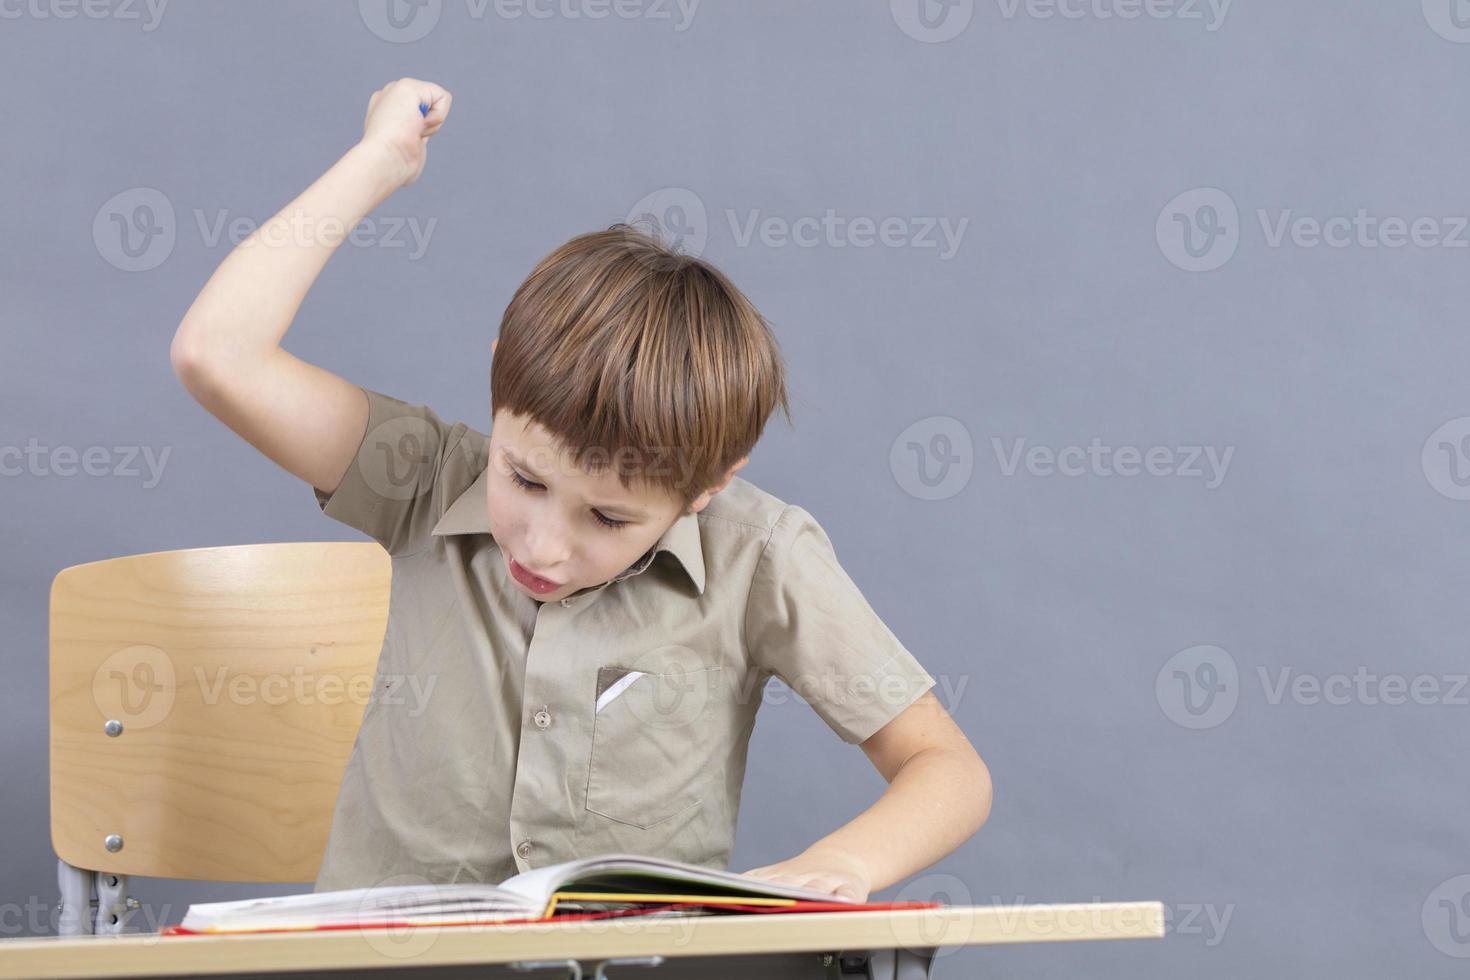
(632, 512)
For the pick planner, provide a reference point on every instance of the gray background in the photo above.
(1331, 835)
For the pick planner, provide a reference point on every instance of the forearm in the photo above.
(936, 801)
(249, 302)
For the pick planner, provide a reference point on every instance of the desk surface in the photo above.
(148, 954)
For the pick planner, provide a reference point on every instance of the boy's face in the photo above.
(555, 526)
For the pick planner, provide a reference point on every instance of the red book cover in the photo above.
(724, 907)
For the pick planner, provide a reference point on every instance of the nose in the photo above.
(547, 547)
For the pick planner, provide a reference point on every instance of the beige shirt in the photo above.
(506, 734)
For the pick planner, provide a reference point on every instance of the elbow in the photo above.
(984, 792)
(184, 354)
(194, 359)
(966, 784)
(979, 790)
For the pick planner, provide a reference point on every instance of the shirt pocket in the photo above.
(650, 736)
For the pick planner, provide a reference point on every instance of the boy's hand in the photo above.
(395, 123)
(830, 870)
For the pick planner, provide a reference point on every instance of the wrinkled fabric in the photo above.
(505, 734)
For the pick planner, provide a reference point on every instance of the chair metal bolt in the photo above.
(573, 967)
(113, 728)
(113, 843)
(601, 973)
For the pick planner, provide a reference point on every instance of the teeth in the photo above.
(535, 579)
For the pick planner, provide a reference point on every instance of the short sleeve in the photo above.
(807, 622)
(391, 488)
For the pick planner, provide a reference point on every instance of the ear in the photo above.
(729, 475)
(492, 346)
(699, 502)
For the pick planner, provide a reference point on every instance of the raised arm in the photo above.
(227, 349)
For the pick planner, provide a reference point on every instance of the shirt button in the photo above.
(524, 849)
(543, 718)
(567, 601)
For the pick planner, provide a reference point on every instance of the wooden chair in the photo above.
(204, 704)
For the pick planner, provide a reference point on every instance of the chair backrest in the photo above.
(204, 704)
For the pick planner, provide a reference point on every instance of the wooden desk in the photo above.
(898, 944)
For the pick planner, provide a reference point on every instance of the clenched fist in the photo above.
(395, 122)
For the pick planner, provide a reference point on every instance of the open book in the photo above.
(611, 882)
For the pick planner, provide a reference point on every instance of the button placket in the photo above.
(539, 820)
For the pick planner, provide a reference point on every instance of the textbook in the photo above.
(612, 884)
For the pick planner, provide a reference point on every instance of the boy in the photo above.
(587, 601)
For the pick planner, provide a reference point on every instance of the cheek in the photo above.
(502, 513)
(614, 556)
(510, 513)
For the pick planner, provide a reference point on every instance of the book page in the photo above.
(641, 873)
(358, 905)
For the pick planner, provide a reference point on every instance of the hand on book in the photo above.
(826, 870)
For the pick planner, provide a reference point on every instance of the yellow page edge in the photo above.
(645, 897)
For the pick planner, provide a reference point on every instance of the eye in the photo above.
(522, 481)
(607, 522)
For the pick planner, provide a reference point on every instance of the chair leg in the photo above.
(913, 964)
(112, 903)
(881, 964)
(77, 885)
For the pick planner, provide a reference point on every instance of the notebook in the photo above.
(611, 884)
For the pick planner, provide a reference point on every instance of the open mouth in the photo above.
(531, 580)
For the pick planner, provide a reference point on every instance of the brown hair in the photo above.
(640, 357)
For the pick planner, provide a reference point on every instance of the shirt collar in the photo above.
(468, 515)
